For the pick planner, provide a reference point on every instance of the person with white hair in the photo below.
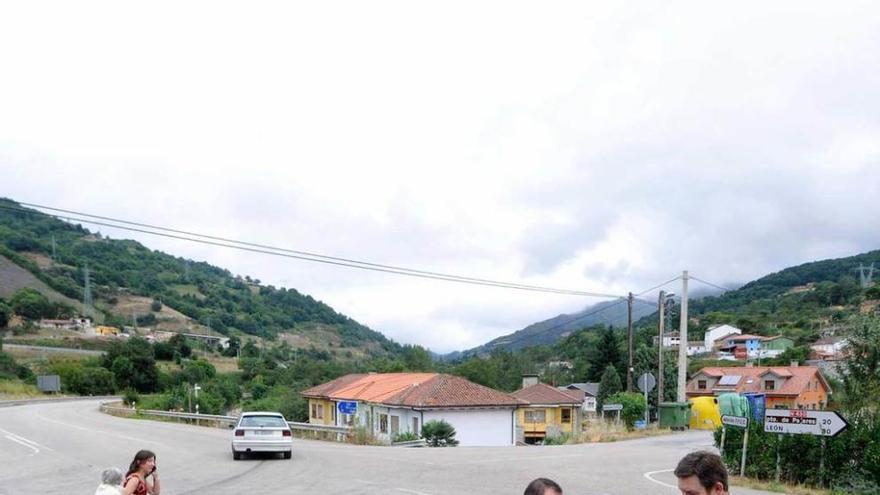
(111, 482)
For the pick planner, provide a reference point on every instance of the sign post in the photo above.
(736, 422)
(646, 384)
(612, 407)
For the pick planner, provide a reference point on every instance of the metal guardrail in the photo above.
(26, 402)
(344, 430)
(325, 428)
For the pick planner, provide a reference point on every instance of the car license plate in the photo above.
(261, 432)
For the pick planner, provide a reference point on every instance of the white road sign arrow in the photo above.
(804, 422)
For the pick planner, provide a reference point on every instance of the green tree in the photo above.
(609, 385)
(5, 313)
(607, 352)
(633, 407)
(199, 371)
(861, 379)
(30, 304)
(180, 343)
(439, 434)
(133, 364)
(417, 358)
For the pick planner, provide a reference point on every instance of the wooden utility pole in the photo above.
(629, 333)
(661, 307)
(683, 339)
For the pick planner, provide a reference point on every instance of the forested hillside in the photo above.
(207, 294)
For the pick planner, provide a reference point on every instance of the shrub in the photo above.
(130, 397)
(439, 434)
(633, 407)
(561, 438)
(406, 436)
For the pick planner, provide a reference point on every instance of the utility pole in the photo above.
(629, 333)
(683, 339)
(87, 292)
(661, 307)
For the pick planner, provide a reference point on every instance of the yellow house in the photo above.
(322, 412)
(547, 411)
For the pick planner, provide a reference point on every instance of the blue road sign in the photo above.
(347, 406)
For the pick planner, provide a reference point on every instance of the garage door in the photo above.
(478, 428)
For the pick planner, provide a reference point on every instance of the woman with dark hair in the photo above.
(143, 466)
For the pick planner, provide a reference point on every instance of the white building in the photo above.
(394, 403)
(716, 332)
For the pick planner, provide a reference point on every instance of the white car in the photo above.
(260, 431)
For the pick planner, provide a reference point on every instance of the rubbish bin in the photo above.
(675, 415)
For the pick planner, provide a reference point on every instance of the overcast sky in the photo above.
(584, 145)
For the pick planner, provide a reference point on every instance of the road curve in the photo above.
(61, 448)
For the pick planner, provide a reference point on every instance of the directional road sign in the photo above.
(804, 422)
(739, 421)
(647, 382)
(612, 407)
(347, 406)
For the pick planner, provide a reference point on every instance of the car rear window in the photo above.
(263, 421)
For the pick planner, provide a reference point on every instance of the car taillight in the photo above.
(286, 433)
(239, 433)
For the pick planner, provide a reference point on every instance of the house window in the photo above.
(535, 416)
(395, 425)
(415, 429)
(701, 384)
(769, 385)
(317, 411)
(566, 415)
(383, 423)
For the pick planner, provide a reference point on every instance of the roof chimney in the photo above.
(794, 364)
(529, 380)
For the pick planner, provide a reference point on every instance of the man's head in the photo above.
(701, 473)
(111, 476)
(543, 486)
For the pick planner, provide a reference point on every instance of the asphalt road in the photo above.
(61, 448)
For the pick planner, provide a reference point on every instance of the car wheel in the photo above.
(236, 455)
(287, 454)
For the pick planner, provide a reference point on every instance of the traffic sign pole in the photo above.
(742, 466)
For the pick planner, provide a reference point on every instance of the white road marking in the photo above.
(91, 430)
(650, 473)
(405, 490)
(13, 439)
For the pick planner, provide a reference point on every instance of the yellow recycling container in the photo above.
(705, 414)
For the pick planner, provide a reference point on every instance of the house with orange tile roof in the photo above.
(547, 411)
(792, 387)
(389, 404)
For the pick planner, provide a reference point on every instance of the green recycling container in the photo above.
(675, 415)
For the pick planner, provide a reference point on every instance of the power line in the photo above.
(657, 287)
(554, 327)
(580, 317)
(725, 289)
(301, 255)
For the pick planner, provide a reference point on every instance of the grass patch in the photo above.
(601, 431)
(772, 486)
(16, 389)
